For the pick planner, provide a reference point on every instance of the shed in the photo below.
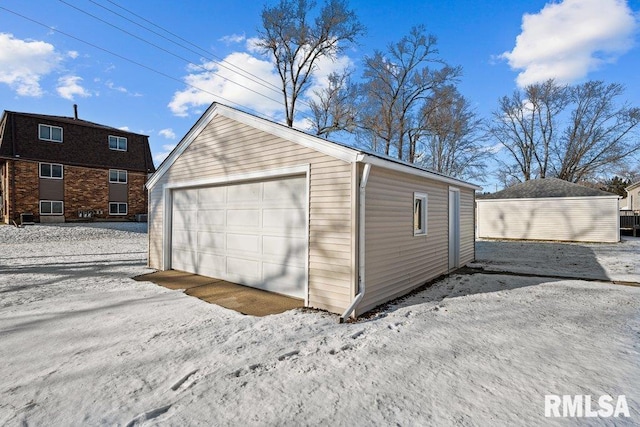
(549, 209)
(257, 203)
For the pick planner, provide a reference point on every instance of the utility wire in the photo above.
(133, 62)
(167, 51)
(200, 51)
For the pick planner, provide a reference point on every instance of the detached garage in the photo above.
(549, 209)
(257, 203)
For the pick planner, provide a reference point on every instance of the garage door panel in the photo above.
(279, 249)
(184, 219)
(292, 219)
(212, 265)
(211, 197)
(243, 218)
(252, 233)
(213, 243)
(243, 243)
(211, 219)
(244, 269)
(244, 192)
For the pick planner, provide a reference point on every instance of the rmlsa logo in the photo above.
(582, 406)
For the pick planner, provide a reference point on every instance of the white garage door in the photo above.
(252, 233)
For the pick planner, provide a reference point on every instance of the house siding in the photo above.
(81, 189)
(579, 219)
(226, 147)
(396, 261)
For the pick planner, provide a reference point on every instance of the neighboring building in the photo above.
(64, 168)
(549, 209)
(632, 201)
(257, 203)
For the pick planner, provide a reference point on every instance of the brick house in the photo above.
(64, 169)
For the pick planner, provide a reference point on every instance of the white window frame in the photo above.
(420, 218)
(51, 202)
(50, 127)
(51, 170)
(119, 173)
(118, 140)
(126, 208)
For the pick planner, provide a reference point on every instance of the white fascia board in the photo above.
(315, 143)
(195, 130)
(387, 164)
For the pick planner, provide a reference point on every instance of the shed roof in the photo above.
(331, 148)
(543, 188)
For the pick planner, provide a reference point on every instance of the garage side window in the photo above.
(419, 214)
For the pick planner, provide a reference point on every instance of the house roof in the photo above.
(331, 148)
(633, 186)
(72, 121)
(544, 188)
(85, 143)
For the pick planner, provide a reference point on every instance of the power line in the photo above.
(201, 51)
(167, 51)
(132, 61)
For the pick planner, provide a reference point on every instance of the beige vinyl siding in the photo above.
(225, 148)
(467, 226)
(396, 261)
(579, 219)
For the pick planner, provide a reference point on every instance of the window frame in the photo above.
(50, 127)
(118, 139)
(51, 170)
(126, 208)
(422, 216)
(119, 172)
(51, 202)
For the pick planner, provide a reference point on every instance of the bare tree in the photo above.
(297, 43)
(452, 134)
(334, 109)
(525, 125)
(599, 133)
(394, 86)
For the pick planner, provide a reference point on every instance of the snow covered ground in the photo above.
(83, 344)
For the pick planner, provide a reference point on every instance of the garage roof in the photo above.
(543, 188)
(334, 149)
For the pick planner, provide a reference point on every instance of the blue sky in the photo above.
(121, 81)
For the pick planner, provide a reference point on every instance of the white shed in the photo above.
(549, 209)
(257, 203)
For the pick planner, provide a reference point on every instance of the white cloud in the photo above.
(229, 86)
(69, 86)
(73, 54)
(166, 150)
(567, 40)
(233, 38)
(167, 133)
(124, 128)
(24, 62)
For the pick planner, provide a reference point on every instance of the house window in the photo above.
(117, 208)
(117, 176)
(50, 170)
(51, 207)
(117, 143)
(50, 133)
(419, 214)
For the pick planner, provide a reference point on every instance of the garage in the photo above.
(251, 233)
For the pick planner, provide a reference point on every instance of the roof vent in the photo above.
(75, 111)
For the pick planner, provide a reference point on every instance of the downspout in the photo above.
(361, 257)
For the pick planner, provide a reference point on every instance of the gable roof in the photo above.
(544, 188)
(84, 143)
(334, 149)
